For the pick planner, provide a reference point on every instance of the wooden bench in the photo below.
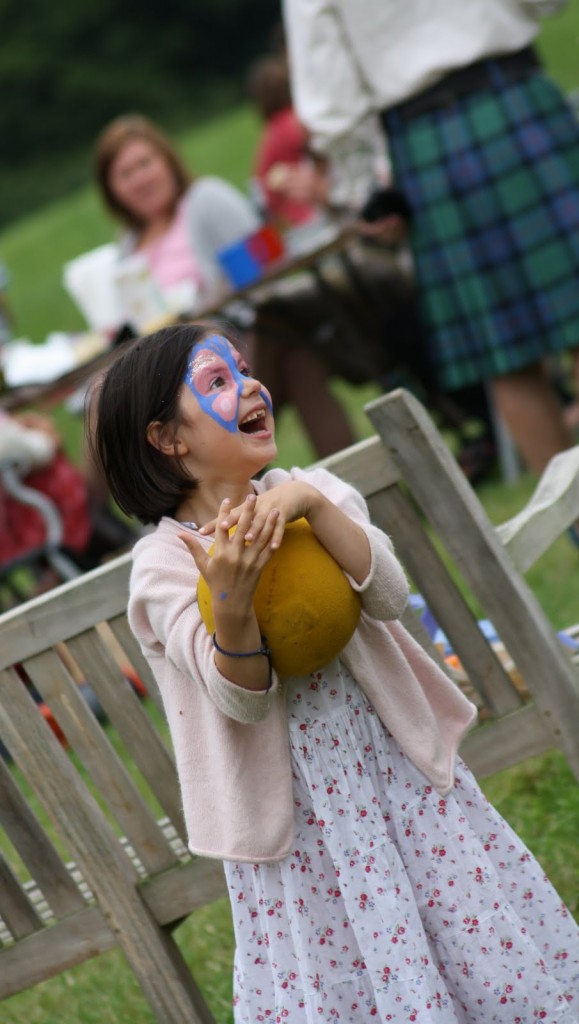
(111, 867)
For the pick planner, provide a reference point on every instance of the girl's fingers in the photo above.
(209, 528)
(277, 533)
(222, 523)
(244, 532)
(227, 516)
(197, 551)
(262, 528)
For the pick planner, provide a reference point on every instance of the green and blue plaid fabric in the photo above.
(493, 179)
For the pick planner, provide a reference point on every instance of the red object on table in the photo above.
(266, 245)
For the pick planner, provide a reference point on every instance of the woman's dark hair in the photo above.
(113, 138)
(141, 386)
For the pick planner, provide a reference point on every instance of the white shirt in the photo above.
(352, 58)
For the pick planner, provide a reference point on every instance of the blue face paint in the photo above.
(217, 380)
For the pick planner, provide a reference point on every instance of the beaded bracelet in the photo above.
(264, 649)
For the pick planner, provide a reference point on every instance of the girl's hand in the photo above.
(344, 539)
(287, 501)
(232, 571)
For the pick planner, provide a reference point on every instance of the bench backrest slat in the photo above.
(100, 760)
(16, 910)
(140, 739)
(423, 563)
(35, 848)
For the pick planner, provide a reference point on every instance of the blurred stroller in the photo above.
(47, 535)
(48, 531)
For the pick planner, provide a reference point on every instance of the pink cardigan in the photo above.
(231, 745)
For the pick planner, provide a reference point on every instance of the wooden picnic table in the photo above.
(329, 241)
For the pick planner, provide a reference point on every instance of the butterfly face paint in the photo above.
(217, 380)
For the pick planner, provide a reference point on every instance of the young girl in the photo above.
(369, 877)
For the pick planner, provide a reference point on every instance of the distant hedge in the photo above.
(67, 68)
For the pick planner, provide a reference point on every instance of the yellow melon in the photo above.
(305, 606)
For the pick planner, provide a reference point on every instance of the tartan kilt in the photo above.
(493, 180)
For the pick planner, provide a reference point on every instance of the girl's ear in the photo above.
(162, 436)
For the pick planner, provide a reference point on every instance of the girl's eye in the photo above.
(245, 371)
(217, 382)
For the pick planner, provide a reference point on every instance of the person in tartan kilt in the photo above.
(486, 149)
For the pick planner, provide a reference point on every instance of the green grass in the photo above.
(559, 46)
(539, 798)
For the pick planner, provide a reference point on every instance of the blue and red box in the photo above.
(244, 262)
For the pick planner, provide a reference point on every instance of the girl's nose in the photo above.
(251, 384)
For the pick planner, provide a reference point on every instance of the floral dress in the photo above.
(395, 904)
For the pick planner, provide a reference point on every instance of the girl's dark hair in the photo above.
(142, 385)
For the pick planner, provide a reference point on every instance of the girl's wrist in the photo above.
(237, 633)
(316, 504)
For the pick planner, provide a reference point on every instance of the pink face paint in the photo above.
(217, 380)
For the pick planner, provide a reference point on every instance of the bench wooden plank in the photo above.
(393, 510)
(367, 466)
(100, 760)
(125, 711)
(35, 848)
(506, 742)
(65, 612)
(49, 952)
(16, 909)
(193, 885)
(447, 500)
(155, 959)
(121, 631)
(553, 507)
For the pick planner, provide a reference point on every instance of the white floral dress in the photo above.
(395, 904)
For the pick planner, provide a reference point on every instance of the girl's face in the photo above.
(228, 412)
(142, 181)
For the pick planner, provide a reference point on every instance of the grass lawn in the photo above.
(539, 798)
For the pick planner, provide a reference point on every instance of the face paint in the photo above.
(214, 377)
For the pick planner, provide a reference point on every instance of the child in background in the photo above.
(369, 877)
(283, 144)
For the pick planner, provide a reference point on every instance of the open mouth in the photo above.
(254, 423)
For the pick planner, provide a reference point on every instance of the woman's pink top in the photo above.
(171, 257)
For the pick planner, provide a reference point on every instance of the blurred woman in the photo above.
(179, 224)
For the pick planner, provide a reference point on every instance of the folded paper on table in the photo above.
(90, 281)
(26, 363)
(140, 299)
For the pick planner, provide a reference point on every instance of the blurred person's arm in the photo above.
(217, 216)
(332, 101)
